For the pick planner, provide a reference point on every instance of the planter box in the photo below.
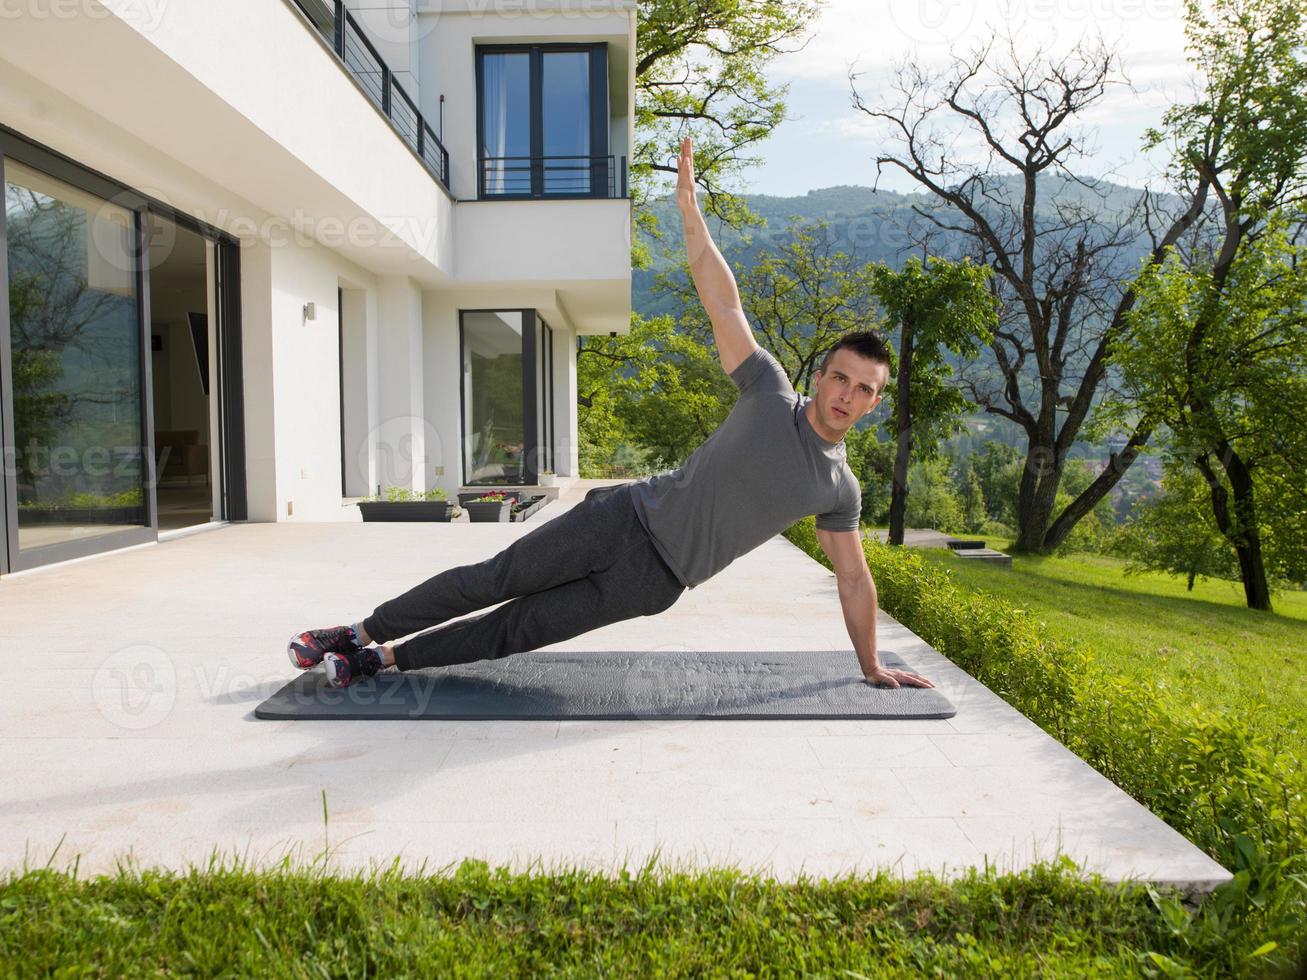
(407, 510)
(528, 507)
(491, 510)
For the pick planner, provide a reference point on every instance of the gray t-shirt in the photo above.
(762, 470)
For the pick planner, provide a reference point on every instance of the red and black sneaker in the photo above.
(308, 648)
(343, 669)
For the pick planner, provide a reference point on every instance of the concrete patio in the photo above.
(132, 728)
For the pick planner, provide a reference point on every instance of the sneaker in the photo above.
(307, 649)
(343, 669)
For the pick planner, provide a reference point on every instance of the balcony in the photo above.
(369, 70)
(528, 177)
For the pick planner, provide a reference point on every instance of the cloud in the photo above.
(870, 35)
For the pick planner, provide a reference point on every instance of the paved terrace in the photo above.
(131, 729)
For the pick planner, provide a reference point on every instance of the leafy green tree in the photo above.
(1216, 345)
(998, 466)
(700, 71)
(936, 306)
(1093, 532)
(647, 398)
(974, 515)
(1175, 532)
(872, 461)
(934, 500)
(1219, 356)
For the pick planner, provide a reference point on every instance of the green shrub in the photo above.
(1228, 789)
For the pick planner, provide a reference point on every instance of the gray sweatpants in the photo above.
(589, 567)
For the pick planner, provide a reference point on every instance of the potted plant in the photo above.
(547, 478)
(402, 504)
(493, 506)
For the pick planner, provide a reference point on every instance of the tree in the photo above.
(972, 499)
(938, 306)
(872, 462)
(934, 501)
(1058, 264)
(1174, 532)
(998, 466)
(1218, 348)
(700, 71)
(1221, 360)
(653, 394)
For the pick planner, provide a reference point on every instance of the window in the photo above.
(542, 122)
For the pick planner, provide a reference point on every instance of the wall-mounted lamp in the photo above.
(310, 311)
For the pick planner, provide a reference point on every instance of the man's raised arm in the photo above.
(712, 276)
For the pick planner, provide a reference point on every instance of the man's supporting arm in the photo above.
(713, 279)
(858, 600)
(857, 592)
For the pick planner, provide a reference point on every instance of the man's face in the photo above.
(850, 388)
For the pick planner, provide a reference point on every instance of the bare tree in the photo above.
(1060, 259)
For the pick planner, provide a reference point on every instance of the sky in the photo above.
(826, 140)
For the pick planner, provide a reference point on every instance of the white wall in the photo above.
(292, 391)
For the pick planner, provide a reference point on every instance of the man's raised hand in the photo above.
(686, 196)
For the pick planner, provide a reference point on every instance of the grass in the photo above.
(235, 921)
(1204, 646)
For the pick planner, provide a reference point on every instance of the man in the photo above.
(632, 550)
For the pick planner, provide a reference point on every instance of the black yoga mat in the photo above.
(632, 685)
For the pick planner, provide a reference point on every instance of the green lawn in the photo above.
(1205, 646)
(393, 922)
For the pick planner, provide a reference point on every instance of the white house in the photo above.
(302, 249)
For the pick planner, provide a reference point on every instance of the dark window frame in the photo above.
(600, 143)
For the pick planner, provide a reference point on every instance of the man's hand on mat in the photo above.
(686, 196)
(896, 678)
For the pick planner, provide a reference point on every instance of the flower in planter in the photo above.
(495, 497)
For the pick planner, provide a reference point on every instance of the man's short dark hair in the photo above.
(864, 343)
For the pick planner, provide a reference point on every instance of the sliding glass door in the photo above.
(86, 266)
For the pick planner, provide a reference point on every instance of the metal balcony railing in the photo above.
(340, 30)
(548, 176)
